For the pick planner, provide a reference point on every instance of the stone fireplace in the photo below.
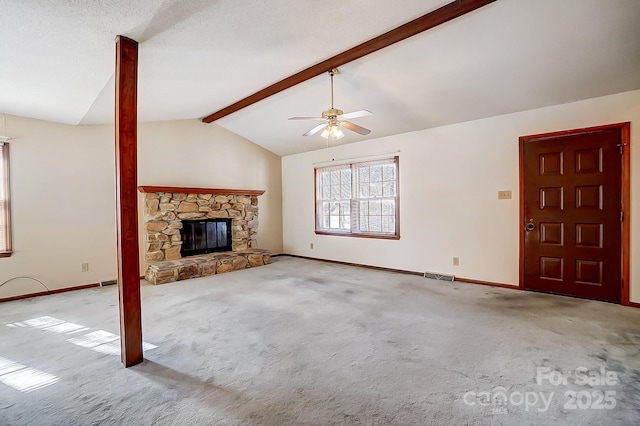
(165, 209)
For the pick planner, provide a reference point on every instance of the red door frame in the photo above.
(625, 129)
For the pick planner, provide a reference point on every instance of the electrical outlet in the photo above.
(311, 246)
(504, 195)
(85, 267)
(456, 261)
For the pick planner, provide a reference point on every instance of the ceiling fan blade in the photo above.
(306, 118)
(356, 114)
(355, 128)
(315, 129)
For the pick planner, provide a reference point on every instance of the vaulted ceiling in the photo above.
(198, 56)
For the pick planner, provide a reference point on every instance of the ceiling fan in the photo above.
(334, 119)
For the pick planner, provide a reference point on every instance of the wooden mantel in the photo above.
(185, 190)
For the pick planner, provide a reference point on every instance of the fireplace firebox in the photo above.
(202, 236)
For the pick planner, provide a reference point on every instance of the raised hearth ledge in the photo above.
(185, 190)
(167, 271)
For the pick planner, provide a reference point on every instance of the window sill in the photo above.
(6, 253)
(349, 234)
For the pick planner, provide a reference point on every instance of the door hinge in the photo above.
(621, 216)
(621, 148)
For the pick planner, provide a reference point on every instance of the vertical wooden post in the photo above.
(127, 200)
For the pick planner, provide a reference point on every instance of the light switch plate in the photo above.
(504, 195)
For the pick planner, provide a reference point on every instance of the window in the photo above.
(358, 200)
(5, 230)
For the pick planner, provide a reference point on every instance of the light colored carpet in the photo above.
(312, 343)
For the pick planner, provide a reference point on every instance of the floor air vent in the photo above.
(436, 276)
(108, 282)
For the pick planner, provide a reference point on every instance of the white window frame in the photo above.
(5, 202)
(338, 212)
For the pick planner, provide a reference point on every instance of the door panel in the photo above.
(572, 203)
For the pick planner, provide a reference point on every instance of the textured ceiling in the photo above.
(197, 56)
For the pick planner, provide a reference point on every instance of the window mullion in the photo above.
(355, 209)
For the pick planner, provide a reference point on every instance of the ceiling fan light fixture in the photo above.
(336, 118)
(332, 131)
(336, 133)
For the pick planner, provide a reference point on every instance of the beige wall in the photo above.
(449, 178)
(63, 192)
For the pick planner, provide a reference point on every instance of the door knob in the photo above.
(530, 227)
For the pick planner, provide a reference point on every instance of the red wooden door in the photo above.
(572, 189)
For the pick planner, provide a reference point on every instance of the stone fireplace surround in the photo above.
(166, 207)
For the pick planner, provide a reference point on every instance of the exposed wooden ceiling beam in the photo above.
(430, 20)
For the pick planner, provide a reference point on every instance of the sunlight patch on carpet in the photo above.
(99, 341)
(103, 342)
(51, 324)
(22, 378)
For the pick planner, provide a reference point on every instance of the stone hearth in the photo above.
(161, 272)
(164, 210)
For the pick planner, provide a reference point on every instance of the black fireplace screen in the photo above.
(205, 236)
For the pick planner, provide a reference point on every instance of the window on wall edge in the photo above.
(358, 199)
(5, 228)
